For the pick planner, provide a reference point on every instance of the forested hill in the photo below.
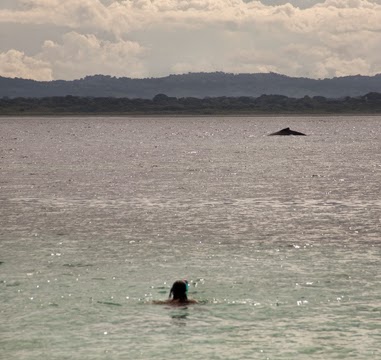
(164, 105)
(199, 85)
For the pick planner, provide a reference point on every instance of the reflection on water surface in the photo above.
(279, 237)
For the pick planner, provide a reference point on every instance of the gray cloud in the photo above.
(152, 38)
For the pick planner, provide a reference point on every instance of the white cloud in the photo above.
(153, 38)
(80, 55)
(15, 63)
(83, 14)
(335, 66)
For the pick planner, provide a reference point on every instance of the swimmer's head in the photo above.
(179, 290)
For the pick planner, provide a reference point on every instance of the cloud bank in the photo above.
(144, 38)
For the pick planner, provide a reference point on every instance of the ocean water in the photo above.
(280, 237)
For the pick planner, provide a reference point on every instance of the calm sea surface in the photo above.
(280, 238)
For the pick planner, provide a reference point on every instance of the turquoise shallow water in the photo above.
(279, 237)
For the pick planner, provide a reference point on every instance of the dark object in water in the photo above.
(287, 131)
(108, 303)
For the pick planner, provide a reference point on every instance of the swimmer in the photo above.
(178, 294)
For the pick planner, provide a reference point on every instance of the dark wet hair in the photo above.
(179, 290)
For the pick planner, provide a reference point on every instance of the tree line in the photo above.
(162, 104)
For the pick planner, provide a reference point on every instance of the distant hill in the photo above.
(199, 85)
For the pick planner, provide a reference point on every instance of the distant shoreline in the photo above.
(172, 115)
(162, 105)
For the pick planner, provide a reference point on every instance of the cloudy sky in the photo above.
(69, 39)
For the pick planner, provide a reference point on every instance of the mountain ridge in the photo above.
(199, 85)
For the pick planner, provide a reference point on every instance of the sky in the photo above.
(70, 39)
